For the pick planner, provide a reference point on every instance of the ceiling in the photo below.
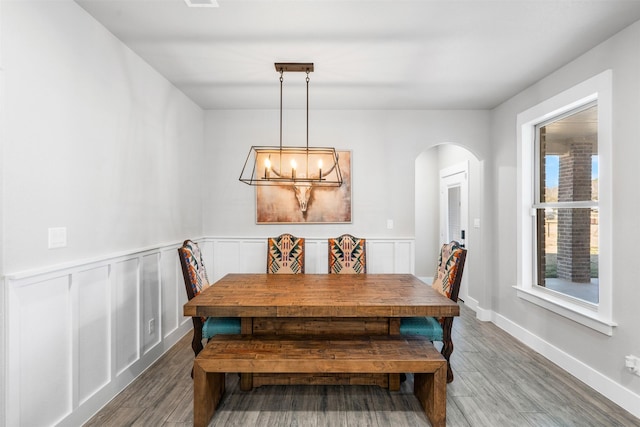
(380, 54)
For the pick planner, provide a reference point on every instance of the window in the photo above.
(564, 213)
(566, 203)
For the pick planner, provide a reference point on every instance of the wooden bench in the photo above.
(305, 354)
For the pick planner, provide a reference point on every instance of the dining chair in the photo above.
(196, 281)
(446, 281)
(285, 254)
(347, 255)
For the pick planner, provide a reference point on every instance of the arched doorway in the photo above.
(448, 184)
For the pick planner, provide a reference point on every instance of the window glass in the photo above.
(566, 222)
(569, 157)
(566, 265)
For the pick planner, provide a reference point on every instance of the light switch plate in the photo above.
(390, 224)
(57, 237)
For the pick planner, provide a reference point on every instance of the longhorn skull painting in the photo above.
(306, 203)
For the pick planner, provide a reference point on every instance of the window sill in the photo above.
(578, 311)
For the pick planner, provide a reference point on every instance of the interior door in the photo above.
(454, 210)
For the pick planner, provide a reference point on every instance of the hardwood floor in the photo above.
(498, 382)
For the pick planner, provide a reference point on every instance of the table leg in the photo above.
(394, 326)
(394, 329)
(394, 382)
(246, 378)
(246, 381)
(246, 325)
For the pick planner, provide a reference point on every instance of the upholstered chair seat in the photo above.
(220, 325)
(425, 326)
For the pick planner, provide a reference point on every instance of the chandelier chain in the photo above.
(307, 109)
(281, 80)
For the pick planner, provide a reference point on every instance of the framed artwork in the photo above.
(306, 203)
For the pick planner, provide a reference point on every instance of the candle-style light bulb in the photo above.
(267, 168)
(320, 169)
(293, 169)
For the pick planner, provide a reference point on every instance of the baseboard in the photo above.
(481, 314)
(613, 391)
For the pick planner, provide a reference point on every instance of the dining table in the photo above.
(320, 305)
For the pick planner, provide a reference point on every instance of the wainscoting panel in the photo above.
(390, 256)
(93, 326)
(127, 313)
(404, 257)
(235, 256)
(150, 301)
(42, 353)
(173, 294)
(316, 261)
(78, 334)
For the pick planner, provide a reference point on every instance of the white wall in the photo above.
(3, 365)
(94, 140)
(595, 358)
(384, 144)
(427, 201)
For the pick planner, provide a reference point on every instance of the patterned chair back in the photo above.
(347, 255)
(285, 254)
(195, 275)
(196, 281)
(449, 271)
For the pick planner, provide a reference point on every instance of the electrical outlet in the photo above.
(632, 363)
(152, 326)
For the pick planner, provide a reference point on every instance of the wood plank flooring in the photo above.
(498, 382)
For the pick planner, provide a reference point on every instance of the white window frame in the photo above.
(596, 316)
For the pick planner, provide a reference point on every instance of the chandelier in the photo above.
(290, 165)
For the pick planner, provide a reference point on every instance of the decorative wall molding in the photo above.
(78, 333)
(249, 255)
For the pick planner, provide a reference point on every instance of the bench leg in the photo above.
(208, 388)
(431, 391)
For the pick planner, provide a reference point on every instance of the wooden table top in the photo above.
(320, 295)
